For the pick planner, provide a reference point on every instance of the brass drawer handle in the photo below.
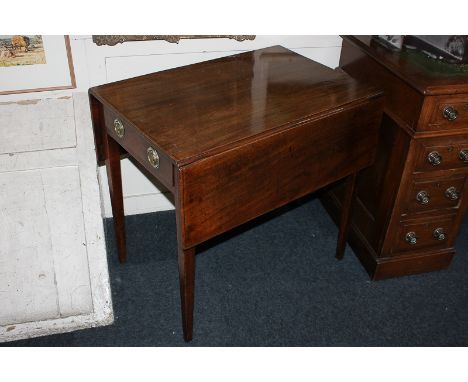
(450, 113)
(153, 157)
(119, 128)
(434, 158)
(422, 197)
(411, 238)
(463, 155)
(452, 193)
(439, 234)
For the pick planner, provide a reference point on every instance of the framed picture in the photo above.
(34, 63)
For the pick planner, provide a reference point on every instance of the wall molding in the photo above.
(112, 40)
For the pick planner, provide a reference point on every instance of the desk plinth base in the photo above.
(380, 268)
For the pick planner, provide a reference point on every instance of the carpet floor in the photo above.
(273, 282)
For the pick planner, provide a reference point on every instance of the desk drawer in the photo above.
(446, 113)
(442, 153)
(426, 195)
(140, 148)
(434, 232)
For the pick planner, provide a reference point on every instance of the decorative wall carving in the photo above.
(112, 40)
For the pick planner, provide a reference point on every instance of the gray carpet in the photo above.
(274, 282)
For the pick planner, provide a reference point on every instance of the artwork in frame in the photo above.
(33, 63)
(21, 50)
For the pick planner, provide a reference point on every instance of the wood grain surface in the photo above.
(195, 110)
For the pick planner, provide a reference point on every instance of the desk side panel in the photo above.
(228, 189)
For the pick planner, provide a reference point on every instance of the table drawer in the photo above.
(434, 232)
(426, 195)
(442, 153)
(140, 148)
(446, 113)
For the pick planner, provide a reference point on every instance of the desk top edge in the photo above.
(425, 83)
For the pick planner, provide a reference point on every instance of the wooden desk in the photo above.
(411, 202)
(234, 138)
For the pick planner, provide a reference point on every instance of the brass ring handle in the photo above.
(463, 155)
(452, 193)
(411, 238)
(422, 197)
(153, 157)
(434, 158)
(439, 234)
(119, 128)
(450, 113)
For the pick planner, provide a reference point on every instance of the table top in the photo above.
(428, 76)
(193, 111)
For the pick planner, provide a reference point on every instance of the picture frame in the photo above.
(54, 72)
